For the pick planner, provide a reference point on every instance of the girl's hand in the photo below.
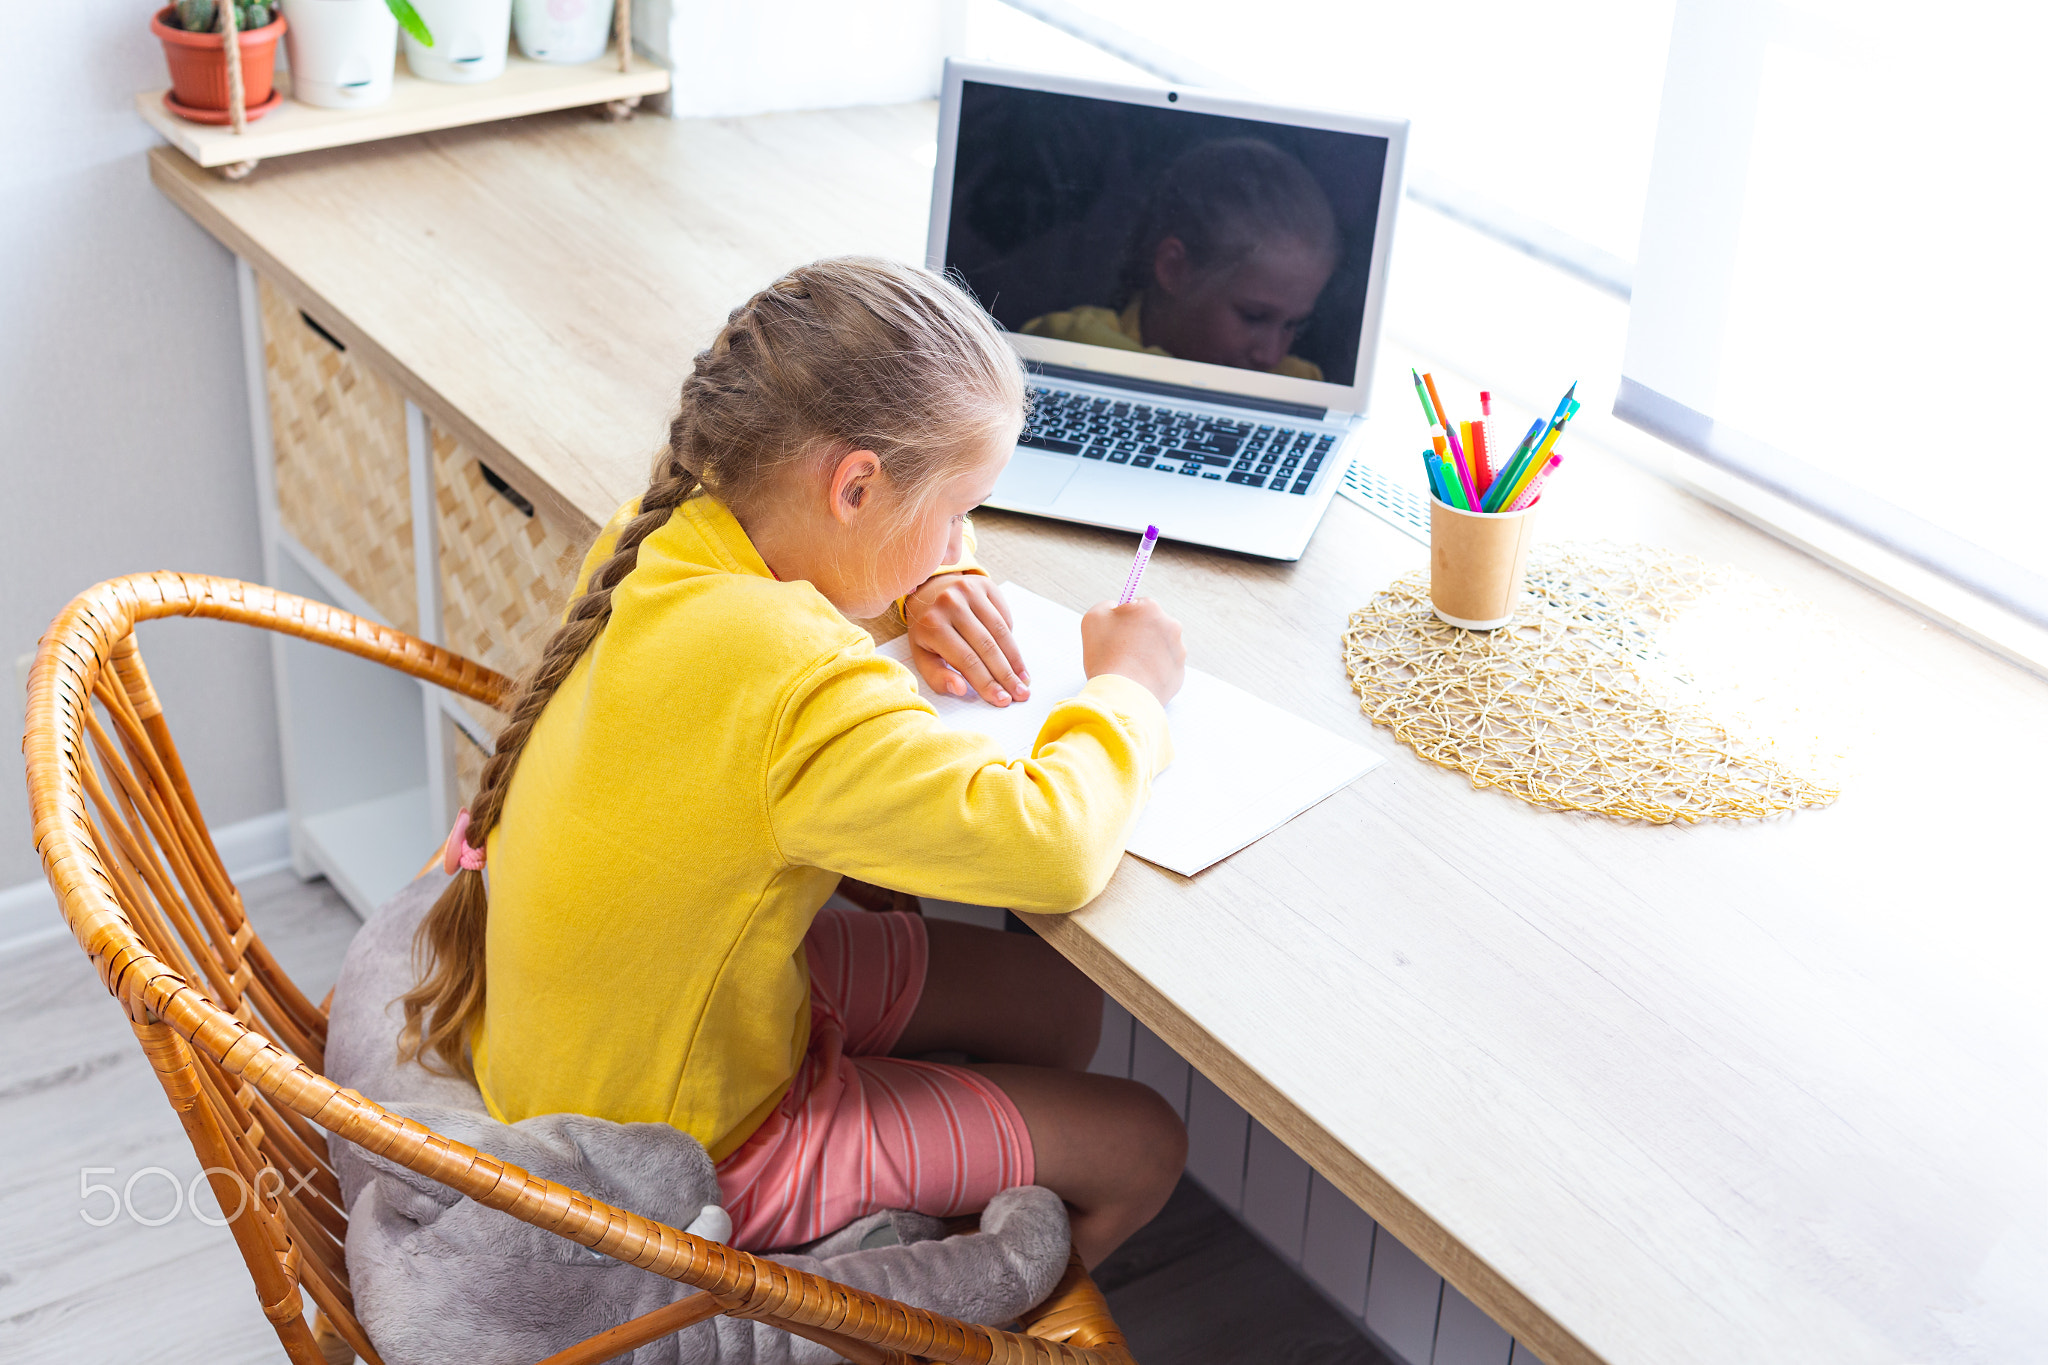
(960, 637)
(1138, 641)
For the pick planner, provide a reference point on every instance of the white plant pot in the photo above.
(341, 52)
(470, 38)
(567, 31)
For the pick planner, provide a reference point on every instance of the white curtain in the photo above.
(1840, 286)
(1547, 109)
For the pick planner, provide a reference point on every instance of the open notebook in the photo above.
(1241, 767)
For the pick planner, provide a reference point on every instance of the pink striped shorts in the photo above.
(860, 1130)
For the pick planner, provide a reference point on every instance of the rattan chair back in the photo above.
(238, 1047)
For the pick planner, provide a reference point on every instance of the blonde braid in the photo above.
(449, 999)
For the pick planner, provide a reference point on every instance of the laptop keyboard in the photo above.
(1274, 457)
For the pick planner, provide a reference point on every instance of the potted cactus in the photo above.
(193, 33)
(343, 51)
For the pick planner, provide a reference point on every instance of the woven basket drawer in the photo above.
(464, 764)
(343, 488)
(506, 571)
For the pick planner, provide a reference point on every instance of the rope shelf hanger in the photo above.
(1603, 697)
(238, 104)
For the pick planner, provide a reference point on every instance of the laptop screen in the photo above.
(1231, 241)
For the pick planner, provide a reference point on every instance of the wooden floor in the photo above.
(78, 1107)
(76, 1096)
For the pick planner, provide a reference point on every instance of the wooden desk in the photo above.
(1736, 1093)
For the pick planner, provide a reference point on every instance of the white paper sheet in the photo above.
(1242, 767)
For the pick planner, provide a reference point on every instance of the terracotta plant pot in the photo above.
(199, 63)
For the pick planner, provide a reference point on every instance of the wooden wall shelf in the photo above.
(415, 106)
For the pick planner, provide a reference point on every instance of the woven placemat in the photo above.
(1635, 683)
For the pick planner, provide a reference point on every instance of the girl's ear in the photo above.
(853, 480)
(1171, 266)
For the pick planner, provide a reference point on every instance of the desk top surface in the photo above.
(1771, 1091)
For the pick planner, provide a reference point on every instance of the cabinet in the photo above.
(338, 460)
(368, 505)
(505, 571)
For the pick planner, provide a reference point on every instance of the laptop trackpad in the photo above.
(1034, 480)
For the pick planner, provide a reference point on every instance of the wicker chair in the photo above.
(238, 1047)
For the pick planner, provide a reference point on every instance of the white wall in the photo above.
(124, 441)
(734, 59)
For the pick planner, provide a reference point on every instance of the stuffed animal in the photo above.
(438, 1277)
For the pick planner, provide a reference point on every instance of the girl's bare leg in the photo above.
(1002, 998)
(1110, 1147)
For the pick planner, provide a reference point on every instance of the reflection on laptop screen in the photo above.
(1224, 240)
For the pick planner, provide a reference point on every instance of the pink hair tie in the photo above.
(458, 854)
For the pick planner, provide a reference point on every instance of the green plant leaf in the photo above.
(409, 20)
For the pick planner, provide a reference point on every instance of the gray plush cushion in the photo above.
(438, 1277)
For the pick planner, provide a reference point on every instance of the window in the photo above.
(1534, 121)
(1818, 210)
(1840, 287)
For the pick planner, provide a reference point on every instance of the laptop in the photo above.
(1194, 281)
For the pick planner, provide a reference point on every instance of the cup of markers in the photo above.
(1479, 507)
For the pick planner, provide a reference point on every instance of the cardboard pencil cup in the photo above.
(1475, 564)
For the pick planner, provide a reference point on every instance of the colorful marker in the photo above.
(1436, 404)
(1529, 440)
(1436, 488)
(1450, 428)
(1138, 565)
(1448, 473)
(1556, 429)
(1464, 469)
(1459, 462)
(1565, 402)
(1466, 481)
(1485, 426)
(1509, 486)
(1519, 461)
(1428, 412)
(1527, 497)
(1477, 448)
(1538, 462)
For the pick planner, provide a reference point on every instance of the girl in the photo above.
(1225, 263)
(708, 744)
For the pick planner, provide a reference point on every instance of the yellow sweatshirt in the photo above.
(727, 749)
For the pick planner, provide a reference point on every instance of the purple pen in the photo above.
(1138, 565)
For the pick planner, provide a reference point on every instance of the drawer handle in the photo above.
(505, 490)
(330, 338)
